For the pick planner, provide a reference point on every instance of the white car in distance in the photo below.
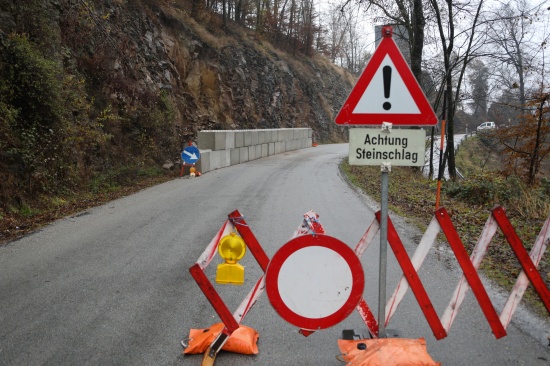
(486, 126)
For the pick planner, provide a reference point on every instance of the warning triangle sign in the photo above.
(387, 91)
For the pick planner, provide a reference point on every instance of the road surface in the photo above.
(436, 156)
(111, 286)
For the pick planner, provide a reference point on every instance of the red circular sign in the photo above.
(314, 281)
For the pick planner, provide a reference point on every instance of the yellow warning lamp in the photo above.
(231, 248)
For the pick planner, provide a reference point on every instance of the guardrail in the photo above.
(223, 148)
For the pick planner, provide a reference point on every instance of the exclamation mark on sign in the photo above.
(386, 73)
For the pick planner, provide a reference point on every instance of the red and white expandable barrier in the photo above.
(469, 265)
(410, 266)
(231, 321)
(235, 221)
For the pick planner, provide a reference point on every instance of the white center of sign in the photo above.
(315, 282)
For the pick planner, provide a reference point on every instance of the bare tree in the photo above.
(336, 30)
(518, 34)
(514, 46)
(479, 84)
(308, 28)
(409, 15)
(346, 42)
(459, 46)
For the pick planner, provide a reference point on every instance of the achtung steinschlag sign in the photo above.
(372, 146)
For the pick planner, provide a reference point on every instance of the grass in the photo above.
(126, 176)
(469, 203)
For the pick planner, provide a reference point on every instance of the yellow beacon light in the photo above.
(231, 248)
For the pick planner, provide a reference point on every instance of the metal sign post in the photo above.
(385, 168)
(387, 90)
(385, 147)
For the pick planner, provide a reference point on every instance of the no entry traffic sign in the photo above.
(314, 281)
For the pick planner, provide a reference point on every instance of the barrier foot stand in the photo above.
(215, 347)
(208, 359)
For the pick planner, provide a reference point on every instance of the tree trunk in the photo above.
(238, 9)
(224, 12)
(431, 167)
(195, 8)
(450, 127)
(417, 41)
(533, 170)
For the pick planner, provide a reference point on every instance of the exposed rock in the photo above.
(228, 77)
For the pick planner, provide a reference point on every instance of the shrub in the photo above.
(512, 193)
(31, 107)
(479, 189)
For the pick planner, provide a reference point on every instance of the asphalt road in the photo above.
(436, 155)
(111, 286)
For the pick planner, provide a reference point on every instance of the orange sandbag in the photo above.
(243, 340)
(386, 352)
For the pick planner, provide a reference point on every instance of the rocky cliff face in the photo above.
(233, 81)
(138, 80)
(217, 78)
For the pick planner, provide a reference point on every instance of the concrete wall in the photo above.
(220, 148)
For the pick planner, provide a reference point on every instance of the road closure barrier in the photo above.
(231, 321)
(311, 232)
(441, 222)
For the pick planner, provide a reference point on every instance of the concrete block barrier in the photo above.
(258, 151)
(239, 138)
(252, 152)
(235, 156)
(219, 159)
(261, 137)
(203, 165)
(217, 140)
(223, 148)
(243, 153)
(279, 147)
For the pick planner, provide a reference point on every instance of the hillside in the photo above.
(96, 94)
